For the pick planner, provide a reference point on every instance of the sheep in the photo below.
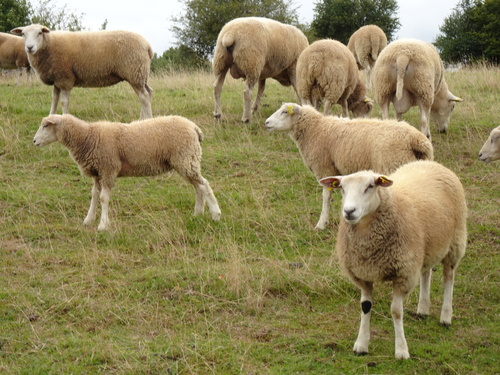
(409, 72)
(255, 48)
(107, 150)
(399, 233)
(326, 70)
(13, 55)
(491, 148)
(332, 146)
(366, 44)
(88, 59)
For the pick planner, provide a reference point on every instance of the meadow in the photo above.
(260, 292)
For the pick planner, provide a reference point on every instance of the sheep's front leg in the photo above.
(260, 92)
(91, 214)
(425, 115)
(65, 101)
(361, 344)
(424, 300)
(324, 217)
(56, 92)
(384, 107)
(397, 318)
(104, 196)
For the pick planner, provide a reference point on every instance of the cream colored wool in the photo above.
(327, 72)
(107, 150)
(255, 48)
(12, 54)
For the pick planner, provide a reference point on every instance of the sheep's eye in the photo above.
(371, 186)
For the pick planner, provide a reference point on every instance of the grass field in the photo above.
(259, 292)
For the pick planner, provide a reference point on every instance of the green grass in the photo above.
(260, 291)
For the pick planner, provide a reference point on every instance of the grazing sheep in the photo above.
(255, 49)
(398, 234)
(88, 59)
(408, 73)
(12, 54)
(327, 71)
(331, 145)
(366, 44)
(491, 148)
(107, 150)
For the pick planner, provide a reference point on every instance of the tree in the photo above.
(48, 14)
(199, 27)
(339, 19)
(471, 32)
(13, 13)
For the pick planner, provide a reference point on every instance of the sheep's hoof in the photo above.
(445, 324)
(360, 353)
(245, 120)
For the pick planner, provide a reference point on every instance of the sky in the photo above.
(419, 19)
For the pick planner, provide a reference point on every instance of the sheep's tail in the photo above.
(150, 52)
(375, 47)
(422, 148)
(223, 53)
(401, 66)
(200, 134)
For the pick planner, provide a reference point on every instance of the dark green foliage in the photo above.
(200, 25)
(339, 19)
(471, 32)
(12, 14)
(182, 57)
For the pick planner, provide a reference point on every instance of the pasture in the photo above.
(260, 292)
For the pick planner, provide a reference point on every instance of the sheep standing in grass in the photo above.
(107, 150)
(366, 44)
(12, 54)
(327, 72)
(408, 73)
(398, 234)
(491, 148)
(88, 59)
(332, 146)
(255, 49)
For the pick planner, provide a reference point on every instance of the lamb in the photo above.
(366, 44)
(327, 71)
(491, 148)
(409, 72)
(398, 234)
(12, 54)
(255, 48)
(332, 146)
(88, 59)
(107, 150)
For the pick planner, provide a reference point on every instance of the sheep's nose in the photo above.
(29, 49)
(348, 212)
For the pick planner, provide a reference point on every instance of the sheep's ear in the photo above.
(383, 181)
(51, 120)
(17, 30)
(368, 100)
(45, 30)
(330, 182)
(453, 98)
(292, 108)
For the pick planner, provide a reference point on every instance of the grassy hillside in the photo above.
(260, 291)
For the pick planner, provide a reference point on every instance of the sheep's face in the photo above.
(284, 118)
(491, 148)
(359, 193)
(34, 37)
(362, 108)
(443, 106)
(46, 133)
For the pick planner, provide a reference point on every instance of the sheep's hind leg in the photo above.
(361, 344)
(145, 96)
(247, 100)
(424, 300)
(91, 214)
(448, 280)
(260, 92)
(219, 82)
(204, 194)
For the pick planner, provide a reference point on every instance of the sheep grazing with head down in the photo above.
(255, 48)
(398, 233)
(408, 73)
(366, 44)
(12, 54)
(491, 148)
(88, 59)
(331, 145)
(327, 72)
(107, 150)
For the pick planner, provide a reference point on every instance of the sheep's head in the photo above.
(491, 148)
(442, 107)
(283, 119)
(359, 193)
(47, 132)
(34, 37)
(361, 108)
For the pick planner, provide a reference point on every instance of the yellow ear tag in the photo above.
(367, 100)
(289, 109)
